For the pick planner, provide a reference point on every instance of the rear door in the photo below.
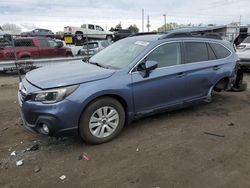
(201, 68)
(47, 49)
(166, 85)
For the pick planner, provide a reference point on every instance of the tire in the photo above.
(242, 87)
(109, 38)
(69, 55)
(95, 129)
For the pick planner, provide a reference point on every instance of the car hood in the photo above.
(65, 74)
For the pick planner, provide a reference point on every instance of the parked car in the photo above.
(93, 32)
(243, 51)
(121, 34)
(91, 48)
(34, 47)
(133, 77)
(38, 33)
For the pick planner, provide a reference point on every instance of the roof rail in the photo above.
(178, 34)
(144, 33)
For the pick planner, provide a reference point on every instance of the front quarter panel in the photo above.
(118, 84)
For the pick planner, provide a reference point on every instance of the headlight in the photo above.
(53, 95)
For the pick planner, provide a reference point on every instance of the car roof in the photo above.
(149, 38)
(155, 37)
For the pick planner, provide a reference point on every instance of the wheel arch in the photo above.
(221, 84)
(117, 97)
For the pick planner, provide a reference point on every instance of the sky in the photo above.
(56, 14)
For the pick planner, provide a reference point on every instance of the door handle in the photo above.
(180, 75)
(216, 68)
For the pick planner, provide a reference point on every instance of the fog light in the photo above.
(45, 129)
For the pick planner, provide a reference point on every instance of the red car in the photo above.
(34, 47)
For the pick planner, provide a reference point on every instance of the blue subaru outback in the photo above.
(134, 77)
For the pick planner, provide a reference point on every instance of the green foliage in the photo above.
(169, 26)
(133, 28)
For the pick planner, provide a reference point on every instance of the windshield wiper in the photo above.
(99, 65)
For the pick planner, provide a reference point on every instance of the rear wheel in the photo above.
(102, 120)
(109, 38)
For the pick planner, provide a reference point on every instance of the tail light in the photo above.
(69, 29)
(240, 47)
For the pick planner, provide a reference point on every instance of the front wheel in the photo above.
(102, 120)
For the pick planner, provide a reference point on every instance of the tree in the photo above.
(133, 28)
(169, 26)
(112, 29)
(118, 26)
(12, 28)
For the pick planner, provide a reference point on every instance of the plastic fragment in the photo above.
(62, 177)
(19, 163)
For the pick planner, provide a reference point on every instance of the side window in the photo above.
(166, 55)
(24, 43)
(195, 52)
(52, 43)
(92, 27)
(44, 43)
(211, 54)
(98, 28)
(104, 43)
(220, 51)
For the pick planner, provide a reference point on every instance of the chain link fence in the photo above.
(25, 53)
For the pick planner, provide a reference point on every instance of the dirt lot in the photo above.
(167, 150)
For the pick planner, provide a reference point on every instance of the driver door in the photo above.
(166, 85)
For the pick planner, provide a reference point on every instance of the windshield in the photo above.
(246, 40)
(119, 54)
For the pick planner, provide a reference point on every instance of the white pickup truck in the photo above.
(89, 30)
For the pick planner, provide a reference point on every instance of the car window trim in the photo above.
(180, 41)
(168, 42)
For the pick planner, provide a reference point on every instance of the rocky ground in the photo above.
(173, 149)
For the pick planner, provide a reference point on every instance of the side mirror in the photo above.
(148, 67)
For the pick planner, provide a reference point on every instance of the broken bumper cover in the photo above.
(54, 121)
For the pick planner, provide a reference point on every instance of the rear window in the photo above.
(220, 51)
(91, 45)
(24, 43)
(246, 40)
(195, 52)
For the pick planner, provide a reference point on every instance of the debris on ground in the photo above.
(37, 168)
(19, 163)
(85, 157)
(13, 153)
(80, 157)
(6, 128)
(34, 147)
(231, 124)
(137, 149)
(212, 134)
(62, 177)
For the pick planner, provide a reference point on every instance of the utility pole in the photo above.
(142, 20)
(165, 22)
(148, 24)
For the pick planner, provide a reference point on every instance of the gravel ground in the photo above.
(166, 150)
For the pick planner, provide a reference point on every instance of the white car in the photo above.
(243, 51)
(89, 30)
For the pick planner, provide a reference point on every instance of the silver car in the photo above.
(91, 48)
(243, 51)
